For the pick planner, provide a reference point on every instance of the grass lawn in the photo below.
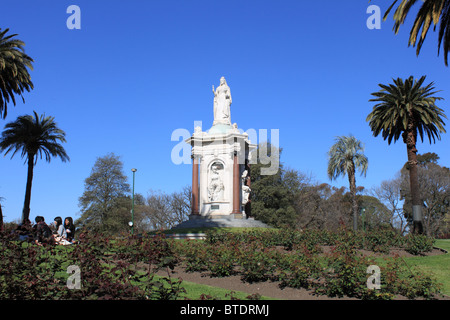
(439, 265)
(195, 290)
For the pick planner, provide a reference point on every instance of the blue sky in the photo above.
(138, 70)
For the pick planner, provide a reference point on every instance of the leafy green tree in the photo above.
(103, 198)
(14, 76)
(118, 217)
(33, 136)
(374, 213)
(346, 156)
(271, 197)
(431, 11)
(406, 108)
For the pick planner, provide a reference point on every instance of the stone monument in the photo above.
(221, 186)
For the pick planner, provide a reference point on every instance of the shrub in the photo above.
(218, 236)
(398, 278)
(32, 272)
(380, 240)
(418, 244)
(299, 270)
(257, 264)
(221, 260)
(345, 272)
(196, 256)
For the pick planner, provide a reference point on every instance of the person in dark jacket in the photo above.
(42, 232)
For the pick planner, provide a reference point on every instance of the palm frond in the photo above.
(431, 12)
(408, 103)
(345, 155)
(14, 74)
(34, 135)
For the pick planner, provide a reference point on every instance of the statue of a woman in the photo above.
(216, 187)
(222, 102)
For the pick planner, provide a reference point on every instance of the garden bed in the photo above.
(279, 264)
(305, 265)
(269, 289)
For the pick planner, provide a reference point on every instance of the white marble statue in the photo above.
(222, 103)
(215, 186)
(245, 188)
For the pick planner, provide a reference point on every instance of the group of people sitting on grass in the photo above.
(41, 233)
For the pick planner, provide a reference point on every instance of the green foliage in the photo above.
(431, 10)
(418, 244)
(124, 267)
(221, 260)
(104, 203)
(257, 263)
(272, 196)
(406, 105)
(381, 240)
(108, 269)
(299, 270)
(398, 278)
(341, 272)
(14, 75)
(345, 157)
(195, 255)
(345, 271)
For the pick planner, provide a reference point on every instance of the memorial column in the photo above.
(194, 204)
(236, 186)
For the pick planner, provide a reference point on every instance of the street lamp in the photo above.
(132, 206)
(363, 216)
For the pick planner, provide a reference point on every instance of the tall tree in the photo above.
(33, 136)
(104, 191)
(435, 192)
(436, 11)
(389, 193)
(321, 206)
(345, 157)
(14, 75)
(404, 109)
(272, 199)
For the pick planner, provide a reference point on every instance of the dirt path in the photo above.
(234, 283)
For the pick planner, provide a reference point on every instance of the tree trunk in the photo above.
(26, 204)
(1, 219)
(352, 181)
(411, 136)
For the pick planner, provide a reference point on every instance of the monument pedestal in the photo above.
(220, 158)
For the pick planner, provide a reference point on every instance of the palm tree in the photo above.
(404, 109)
(33, 136)
(345, 157)
(14, 76)
(430, 11)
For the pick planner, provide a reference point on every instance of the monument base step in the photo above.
(221, 221)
